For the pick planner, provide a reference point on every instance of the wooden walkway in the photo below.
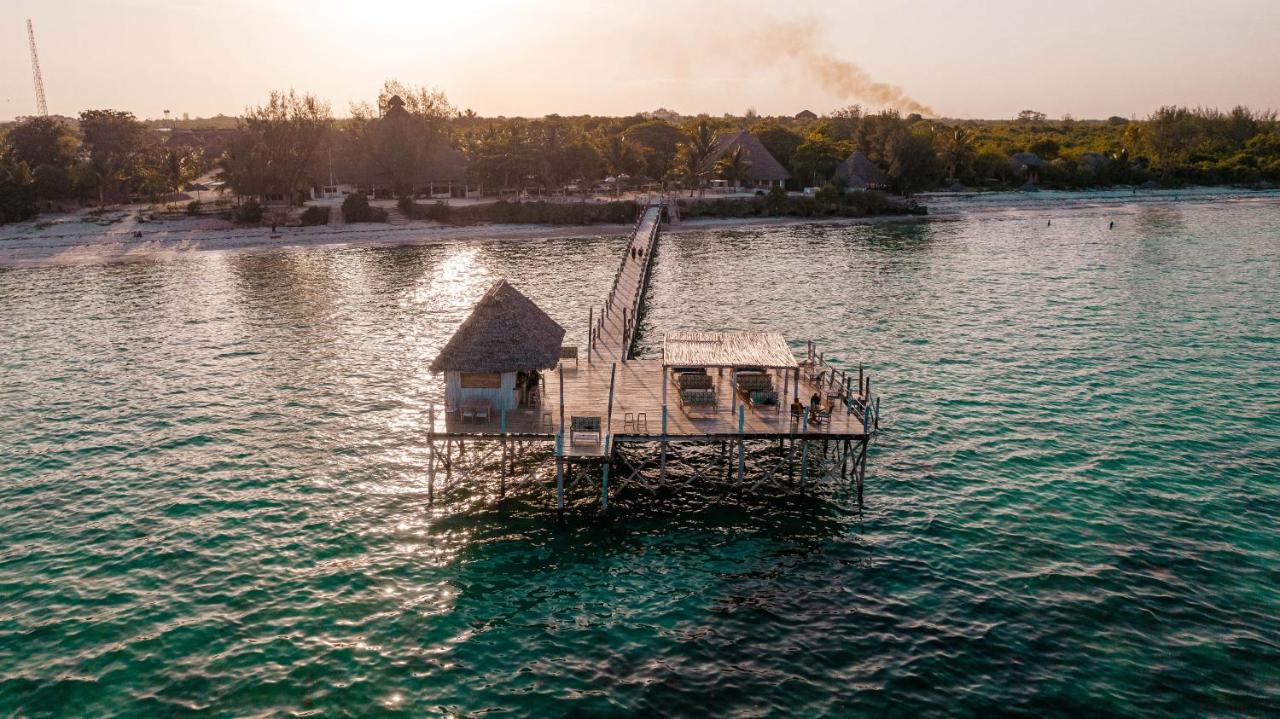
(613, 332)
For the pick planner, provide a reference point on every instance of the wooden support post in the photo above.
(742, 444)
(502, 481)
(804, 451)
(562, 397)
(560, 472)
(431, 471)
(877, 426)
(591, 329)
(860, 378)
(431, 453)
(662, 462)
(604, 477)
(608, 424)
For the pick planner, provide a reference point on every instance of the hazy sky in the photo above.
(972, 58)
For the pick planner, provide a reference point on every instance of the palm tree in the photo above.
(733, 166)
(955, 151)
(695, 154)
(618, 154)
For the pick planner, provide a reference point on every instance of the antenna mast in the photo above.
(42, 107)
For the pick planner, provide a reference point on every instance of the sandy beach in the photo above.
(74, 239)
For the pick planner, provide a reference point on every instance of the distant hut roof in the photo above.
(444, 162)
(859, 172)
(1028, 159)
(806, 115)
(764, 166)
(506, 332)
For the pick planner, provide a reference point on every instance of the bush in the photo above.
(315, 215)
(194, 207)
(249, 212)
(356, 209)
(405, 203)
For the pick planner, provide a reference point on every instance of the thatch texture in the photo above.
(860, 173)
(506, 332)
(726, 349)
(764, 166)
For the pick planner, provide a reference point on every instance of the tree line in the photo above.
(293, 142)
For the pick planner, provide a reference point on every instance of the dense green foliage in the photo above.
(542, 213)
(279, 150)
(315, 215)
(250, 212)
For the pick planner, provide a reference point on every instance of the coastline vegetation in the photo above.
(282, 150)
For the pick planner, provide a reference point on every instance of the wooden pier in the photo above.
(588, 410)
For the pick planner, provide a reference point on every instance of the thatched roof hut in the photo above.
(506, 332)
(765, 170)
(860, 173)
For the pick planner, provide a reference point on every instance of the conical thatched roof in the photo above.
(506, 332)
(859, 172)
(764, 166)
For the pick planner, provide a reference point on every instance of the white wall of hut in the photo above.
(499, 398)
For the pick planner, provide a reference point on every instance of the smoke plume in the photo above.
(799, 42)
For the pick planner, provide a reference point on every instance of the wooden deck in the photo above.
(636, 411)
(638, 390)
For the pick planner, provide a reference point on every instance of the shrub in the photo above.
(315, 215)
(194, 207)
(405, 203)
(356, 209)
(249, 212)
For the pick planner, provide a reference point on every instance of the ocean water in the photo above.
(213, 500)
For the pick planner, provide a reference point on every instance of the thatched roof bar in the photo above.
(727, 349)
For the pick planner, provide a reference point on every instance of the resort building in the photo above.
(1028, 165)
(859, 173)
(493, 362)
(763, 170)
(399, 157)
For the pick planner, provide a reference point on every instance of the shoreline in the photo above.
(68, 239)
(92, 244)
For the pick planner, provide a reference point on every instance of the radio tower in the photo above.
(42, 106)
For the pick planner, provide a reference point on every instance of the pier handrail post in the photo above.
(562, 397)
(591, 326)
(877, 424)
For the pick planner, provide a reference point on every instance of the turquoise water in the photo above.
(214, 502)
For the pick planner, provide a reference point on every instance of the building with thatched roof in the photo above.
(401, 155)
(1028, 164)
(763, 169)
(497, 352)
(858, 172)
